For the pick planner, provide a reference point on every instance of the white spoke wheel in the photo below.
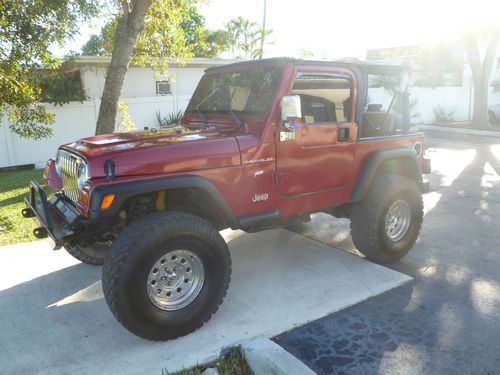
(170, 282)
(387, 222)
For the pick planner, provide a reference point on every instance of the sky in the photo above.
(334, 29)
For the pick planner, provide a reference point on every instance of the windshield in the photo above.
(247, 92)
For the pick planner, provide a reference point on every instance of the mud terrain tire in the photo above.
(158, 252)
(94, 254)
(374, 220)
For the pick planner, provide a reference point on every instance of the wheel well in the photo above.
(404, 166)
(401, 165)
(192, 200)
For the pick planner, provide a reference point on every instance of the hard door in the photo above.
(315, 152)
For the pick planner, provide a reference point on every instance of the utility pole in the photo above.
(262, 31)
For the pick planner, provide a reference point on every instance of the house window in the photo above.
(163, 88)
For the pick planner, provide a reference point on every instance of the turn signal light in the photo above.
(107, 201)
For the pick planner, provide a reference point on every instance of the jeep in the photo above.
(261, 145)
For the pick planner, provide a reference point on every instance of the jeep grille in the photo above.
(68, 164)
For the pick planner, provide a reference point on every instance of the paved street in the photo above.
(448, 320)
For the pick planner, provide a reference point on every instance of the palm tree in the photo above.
(246, 38)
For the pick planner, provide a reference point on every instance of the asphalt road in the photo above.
(448, 320)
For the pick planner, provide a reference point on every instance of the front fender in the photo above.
(127, 190)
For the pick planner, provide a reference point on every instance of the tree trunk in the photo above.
(480, 108)
(481, 74)
(129, 27)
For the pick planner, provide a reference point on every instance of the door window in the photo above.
(325, 98)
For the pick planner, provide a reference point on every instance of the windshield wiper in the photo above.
(197, 108)
(202, 116)
(236, 118)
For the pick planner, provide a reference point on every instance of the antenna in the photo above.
(263, 30)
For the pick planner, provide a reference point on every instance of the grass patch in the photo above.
(231, 364)
(13, 188)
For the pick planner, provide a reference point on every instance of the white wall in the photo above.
(141, 82)
(460, 99)
(450, 98)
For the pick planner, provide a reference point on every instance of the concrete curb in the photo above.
(444, 129)
(268, 358)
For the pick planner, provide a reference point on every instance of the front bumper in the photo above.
(57, 218)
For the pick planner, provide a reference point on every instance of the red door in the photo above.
(319, 155)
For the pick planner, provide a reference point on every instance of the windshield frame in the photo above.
(195, 110)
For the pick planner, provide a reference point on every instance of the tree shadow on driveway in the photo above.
(449, 320)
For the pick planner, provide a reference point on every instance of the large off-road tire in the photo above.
(94, 254)
(166, 275)
(387, 222)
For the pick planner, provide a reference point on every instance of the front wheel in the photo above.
(170, 282)
(386, 223)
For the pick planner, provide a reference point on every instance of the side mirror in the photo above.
(290, 107)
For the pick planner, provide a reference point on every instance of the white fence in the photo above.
(458, 100)
(77, 120)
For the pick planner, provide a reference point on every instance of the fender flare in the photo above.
(370, 167)
(124, 191)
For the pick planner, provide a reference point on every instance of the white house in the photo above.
(145, 93)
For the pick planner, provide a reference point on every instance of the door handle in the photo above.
(343, 134)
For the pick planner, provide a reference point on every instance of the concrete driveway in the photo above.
(53, 318)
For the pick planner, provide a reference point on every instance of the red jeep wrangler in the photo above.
(262, 144)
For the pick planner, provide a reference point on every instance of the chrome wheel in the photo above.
(175, 280)
(397, 220)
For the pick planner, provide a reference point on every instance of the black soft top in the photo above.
(370, 67)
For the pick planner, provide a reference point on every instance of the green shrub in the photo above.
(170, 120)
(443, 114)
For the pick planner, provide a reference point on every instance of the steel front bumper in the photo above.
(56, 218)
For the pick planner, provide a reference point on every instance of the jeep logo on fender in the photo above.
(260, 197)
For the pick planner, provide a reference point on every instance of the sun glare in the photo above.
(449, 164)
(331, 30)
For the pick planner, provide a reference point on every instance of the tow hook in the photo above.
(40, 232)
(28, 212)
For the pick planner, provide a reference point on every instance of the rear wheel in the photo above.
(386, 224)
(94, 253)
(170, 282)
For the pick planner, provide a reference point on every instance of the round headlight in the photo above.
(83, 175)
(58, 165)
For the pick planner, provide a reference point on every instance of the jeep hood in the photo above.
(160, 151)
